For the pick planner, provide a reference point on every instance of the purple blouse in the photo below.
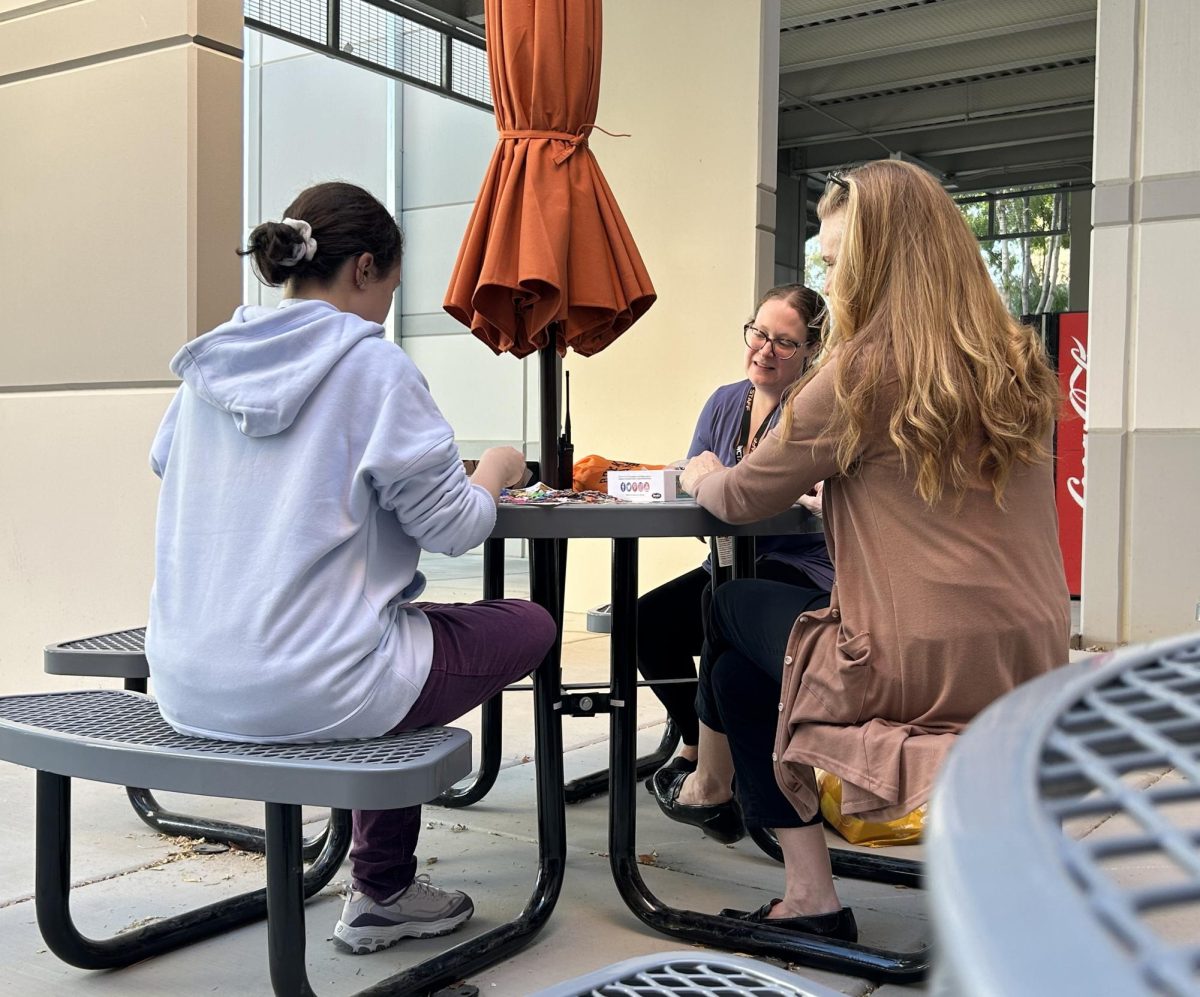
(717, 430)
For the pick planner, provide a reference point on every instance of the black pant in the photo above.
(672, 620)
(741, 678)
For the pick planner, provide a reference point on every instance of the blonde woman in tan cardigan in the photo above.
(930, 421)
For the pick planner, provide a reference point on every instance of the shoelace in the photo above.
(423, 884)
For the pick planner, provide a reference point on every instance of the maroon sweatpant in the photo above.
(478, 649)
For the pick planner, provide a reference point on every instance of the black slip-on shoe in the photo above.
(839, 924)
(720, 821)
(676, 764)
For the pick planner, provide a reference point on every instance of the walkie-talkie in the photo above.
(566, 449)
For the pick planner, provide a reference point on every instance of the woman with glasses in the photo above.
(929, 419)
(781, 339)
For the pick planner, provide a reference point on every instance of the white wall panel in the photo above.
(479, 393)
(1116, 55)
(432, 237)
(447, 146)
(321, 120)
(77, 533)
(1108, 325)
(1167, 356)
(1170, 140)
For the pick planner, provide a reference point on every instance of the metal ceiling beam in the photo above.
(1069, 150)
(1024, 47)
(795, 130)
(948, 78)
(1010, 143)
(949, 125)
(938, 41)
(858, 9)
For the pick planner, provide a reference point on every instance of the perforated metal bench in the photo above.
(1065, 844)
(119, 737)
(689, 974)
(122, 655)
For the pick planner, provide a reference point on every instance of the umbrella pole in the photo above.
(550, 403)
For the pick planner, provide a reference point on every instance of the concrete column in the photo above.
(1141, 549)
(696, 182)
(120, 194)
(1081, 250)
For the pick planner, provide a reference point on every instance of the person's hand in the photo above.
(813, 500)
(499, 467)
(699, 466)
(508, 462)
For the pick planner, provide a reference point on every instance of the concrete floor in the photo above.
(127, 875)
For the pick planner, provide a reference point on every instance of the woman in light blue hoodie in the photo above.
(304, 468)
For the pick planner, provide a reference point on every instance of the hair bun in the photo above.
(278, 251)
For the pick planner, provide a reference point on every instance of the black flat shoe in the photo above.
(676, 764)
(720, 821)
(839, 924)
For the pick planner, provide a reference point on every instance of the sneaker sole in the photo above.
(360, 941)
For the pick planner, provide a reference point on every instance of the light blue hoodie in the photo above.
(304, 467)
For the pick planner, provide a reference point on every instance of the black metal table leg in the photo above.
(52, 876)
(693, 926)
(502, 942)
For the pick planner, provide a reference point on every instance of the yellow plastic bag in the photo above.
(904, 830)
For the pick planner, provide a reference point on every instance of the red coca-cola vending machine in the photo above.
(1066, 337)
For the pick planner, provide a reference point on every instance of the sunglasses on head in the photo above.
(837, 177)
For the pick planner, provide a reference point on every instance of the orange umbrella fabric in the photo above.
(547, 257)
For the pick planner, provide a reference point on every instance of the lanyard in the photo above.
(745, 445)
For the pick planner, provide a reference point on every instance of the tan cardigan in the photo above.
(934, 614)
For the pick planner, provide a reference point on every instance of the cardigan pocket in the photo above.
(840, 685)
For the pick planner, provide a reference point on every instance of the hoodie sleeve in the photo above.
(415, 468)
(160, 449)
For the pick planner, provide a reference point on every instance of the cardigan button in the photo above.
(781, 707)
(774, 757)
(836, 614)
(787, 659)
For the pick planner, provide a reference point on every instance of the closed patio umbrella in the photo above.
(547, 261)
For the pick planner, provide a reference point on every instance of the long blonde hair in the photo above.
(910, 297)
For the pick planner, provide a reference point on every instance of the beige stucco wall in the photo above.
(121, 204)
(1141, 550)
(696, 182)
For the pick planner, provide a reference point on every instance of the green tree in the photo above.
(1026, 249)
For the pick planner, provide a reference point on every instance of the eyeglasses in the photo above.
(756, 339)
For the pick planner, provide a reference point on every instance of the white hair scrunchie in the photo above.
(305, 250)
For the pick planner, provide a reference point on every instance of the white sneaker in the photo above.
(420, 910)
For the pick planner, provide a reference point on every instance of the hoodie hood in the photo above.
(263, 364)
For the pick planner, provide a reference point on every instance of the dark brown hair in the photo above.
(804, 301)
(345, 220)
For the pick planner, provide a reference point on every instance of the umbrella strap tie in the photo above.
(573, 140)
